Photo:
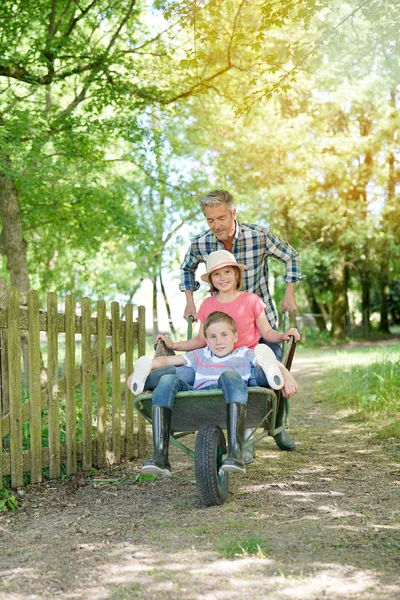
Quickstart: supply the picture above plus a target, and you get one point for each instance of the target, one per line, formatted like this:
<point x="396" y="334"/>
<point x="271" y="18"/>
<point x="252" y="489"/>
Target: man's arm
<point x="190" y="309"/>
<point x="289" y="300"/>
<point x="284" y="252"/>
<point x="188" y="283"/>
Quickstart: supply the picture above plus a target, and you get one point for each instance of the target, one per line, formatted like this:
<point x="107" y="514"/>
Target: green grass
<point x="370" y="387"/>
<point x="251" y="546"/>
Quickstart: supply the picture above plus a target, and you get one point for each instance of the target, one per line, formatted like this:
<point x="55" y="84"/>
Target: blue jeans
<point x="275" y="347"/>
<point x="183" y="372"/>
<point x="231" y="383"/>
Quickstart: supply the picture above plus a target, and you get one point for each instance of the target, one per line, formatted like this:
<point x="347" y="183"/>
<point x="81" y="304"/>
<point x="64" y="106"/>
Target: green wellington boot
<point x="236" y="419"/>
<point x="283" y="439"/>
<point x="159" y="464"/>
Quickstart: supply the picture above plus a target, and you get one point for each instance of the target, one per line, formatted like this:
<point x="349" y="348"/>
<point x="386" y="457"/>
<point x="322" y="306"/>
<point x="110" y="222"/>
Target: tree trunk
<point x="167" y="306"/>
<point x="384" y="296"/>
<point x="155" y="307"/>
<point x="14" y="247"/>
<point x="339" y="304"/>
<point x="315" y="307"/>
<point x="13" y="244"/>
<point x="365" y="301"/>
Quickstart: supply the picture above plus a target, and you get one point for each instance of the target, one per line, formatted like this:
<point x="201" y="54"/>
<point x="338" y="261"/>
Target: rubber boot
<point x="236" y="419"/>
<point x="159" y="465"/>
<point x="283" y="439"/>
<point x="249" y="452"/>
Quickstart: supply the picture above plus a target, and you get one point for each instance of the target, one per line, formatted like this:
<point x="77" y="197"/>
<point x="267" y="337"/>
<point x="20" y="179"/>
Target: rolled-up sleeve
<point x="188" y="270"/>
<point x="281" y="250"/>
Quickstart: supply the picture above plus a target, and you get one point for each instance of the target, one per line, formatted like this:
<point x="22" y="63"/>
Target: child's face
<point x="224" y="279"/>
<point x="221" y="339"/>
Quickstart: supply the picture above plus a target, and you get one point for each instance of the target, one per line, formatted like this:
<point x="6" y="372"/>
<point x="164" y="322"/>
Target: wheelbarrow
<point x="204" y="412"/>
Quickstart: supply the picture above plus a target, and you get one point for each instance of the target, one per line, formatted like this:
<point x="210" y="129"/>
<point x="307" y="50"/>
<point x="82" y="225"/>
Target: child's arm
<point x="187" y="345"/>
<point x="165" y="361"/>
<point x="270" y="335"/>
<point x="290" y="387"/>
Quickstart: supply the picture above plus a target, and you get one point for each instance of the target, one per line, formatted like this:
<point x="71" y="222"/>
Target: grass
<point x="251" y="546"/>
<point x="368" y="382"/>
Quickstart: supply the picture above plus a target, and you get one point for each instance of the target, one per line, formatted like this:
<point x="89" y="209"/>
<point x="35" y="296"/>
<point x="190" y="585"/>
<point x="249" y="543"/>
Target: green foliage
<point x="371" y="390"/>
<point x="8" y="502"/>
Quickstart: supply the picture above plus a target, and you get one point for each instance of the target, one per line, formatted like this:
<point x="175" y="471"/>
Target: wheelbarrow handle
<point x="286" y="319"/>
<point x="190" y="327"/>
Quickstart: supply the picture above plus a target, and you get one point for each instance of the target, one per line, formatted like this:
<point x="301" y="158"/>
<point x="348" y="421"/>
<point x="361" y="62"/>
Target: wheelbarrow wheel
<point x="209" y="450"/>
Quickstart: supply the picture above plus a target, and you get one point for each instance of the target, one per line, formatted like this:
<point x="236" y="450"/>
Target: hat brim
<point x="206" y="276"/>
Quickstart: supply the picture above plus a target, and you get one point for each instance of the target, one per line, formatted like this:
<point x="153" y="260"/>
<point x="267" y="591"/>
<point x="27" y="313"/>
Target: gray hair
<point x="215" y="198"/>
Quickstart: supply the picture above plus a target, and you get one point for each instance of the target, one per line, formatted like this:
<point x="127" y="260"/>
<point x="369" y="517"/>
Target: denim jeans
<point x="183" y="372"/>
<point x="275" y="347"/>
<point x="231" y="383"/>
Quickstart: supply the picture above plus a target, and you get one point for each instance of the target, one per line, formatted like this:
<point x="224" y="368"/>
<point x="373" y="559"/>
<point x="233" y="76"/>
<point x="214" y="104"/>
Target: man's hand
<point x="190" y="310"/>
<point x="289" y="301"/>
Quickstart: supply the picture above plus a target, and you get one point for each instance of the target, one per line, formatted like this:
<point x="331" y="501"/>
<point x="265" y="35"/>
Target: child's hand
<point x="291" y="332"/>
<point x="290" y="387"/>
<point x="170" y="345"/>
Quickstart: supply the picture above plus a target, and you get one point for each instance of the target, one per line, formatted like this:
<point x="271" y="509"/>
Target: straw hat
<point x="217" y="260"/>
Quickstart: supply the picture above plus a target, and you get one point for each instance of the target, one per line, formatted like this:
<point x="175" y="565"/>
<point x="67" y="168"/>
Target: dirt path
<point x="326" y="519"/>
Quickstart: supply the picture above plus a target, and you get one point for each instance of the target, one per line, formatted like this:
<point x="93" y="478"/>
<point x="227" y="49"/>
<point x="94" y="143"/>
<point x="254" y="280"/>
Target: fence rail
<point x="110" y="430"/>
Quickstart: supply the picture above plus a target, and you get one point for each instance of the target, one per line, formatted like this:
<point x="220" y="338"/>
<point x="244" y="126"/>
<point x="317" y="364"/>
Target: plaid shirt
<point x="252" y="245"/>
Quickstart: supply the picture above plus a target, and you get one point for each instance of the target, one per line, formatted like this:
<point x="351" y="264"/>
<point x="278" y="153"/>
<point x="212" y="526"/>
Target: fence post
<point x="70" y="398"/>
<point x="14" y="361"/>
<point x="129" y="407"/>
<point x="141" y="352"/>
<point x="34" y="386"/>
<point x="116" y="383"/>
<point x="86" y="385"/>
<point x="102" y="382"/>
<point x="52" y="385"/>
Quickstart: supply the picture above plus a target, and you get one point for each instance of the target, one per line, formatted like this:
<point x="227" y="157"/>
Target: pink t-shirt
<point x="245" y="309"/>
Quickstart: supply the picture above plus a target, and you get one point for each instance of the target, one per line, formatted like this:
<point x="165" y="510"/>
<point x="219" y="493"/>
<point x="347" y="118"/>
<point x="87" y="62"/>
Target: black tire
<point x="209" y="450"/>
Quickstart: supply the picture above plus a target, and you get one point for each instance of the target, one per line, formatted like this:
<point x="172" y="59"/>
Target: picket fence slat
<point x="14" y="362"/>
<point x="116" y="383"/>
<point x="86" y="385"/>
<point x="70" y="399"/>
<point x="34" y="387"/>
<point x="50" y="395"/>
<point x="141" y="352"/>
<point x="129" y="419"/>
<point x="102" y="382"/>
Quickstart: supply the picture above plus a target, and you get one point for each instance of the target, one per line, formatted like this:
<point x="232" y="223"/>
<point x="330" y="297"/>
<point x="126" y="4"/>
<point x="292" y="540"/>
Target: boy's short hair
<point x="219" y="317"/>
<point x="239" y="280"/>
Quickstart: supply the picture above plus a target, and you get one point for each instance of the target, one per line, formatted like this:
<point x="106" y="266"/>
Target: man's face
<point x="220" y="339"/>
<point x="221" y="221"/>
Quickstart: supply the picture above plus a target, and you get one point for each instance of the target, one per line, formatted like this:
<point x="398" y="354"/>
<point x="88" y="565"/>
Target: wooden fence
<point x="48" y="416"/>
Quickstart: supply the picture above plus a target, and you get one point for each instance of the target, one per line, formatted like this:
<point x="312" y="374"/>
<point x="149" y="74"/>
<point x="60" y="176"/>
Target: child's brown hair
<point x="219" y="317"/>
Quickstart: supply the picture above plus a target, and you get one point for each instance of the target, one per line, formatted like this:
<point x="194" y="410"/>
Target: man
<point x="251" y="245"/>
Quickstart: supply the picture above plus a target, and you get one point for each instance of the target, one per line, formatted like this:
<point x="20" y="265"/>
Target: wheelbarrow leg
<point x="250" y="451"/>
<point x="283" y="439"/>
<point x="236" y="419"/>
<point x="161" y="420"/>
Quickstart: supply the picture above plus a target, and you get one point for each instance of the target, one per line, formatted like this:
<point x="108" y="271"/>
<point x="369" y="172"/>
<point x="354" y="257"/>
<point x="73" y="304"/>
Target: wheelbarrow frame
<point x="205" y="412"/>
